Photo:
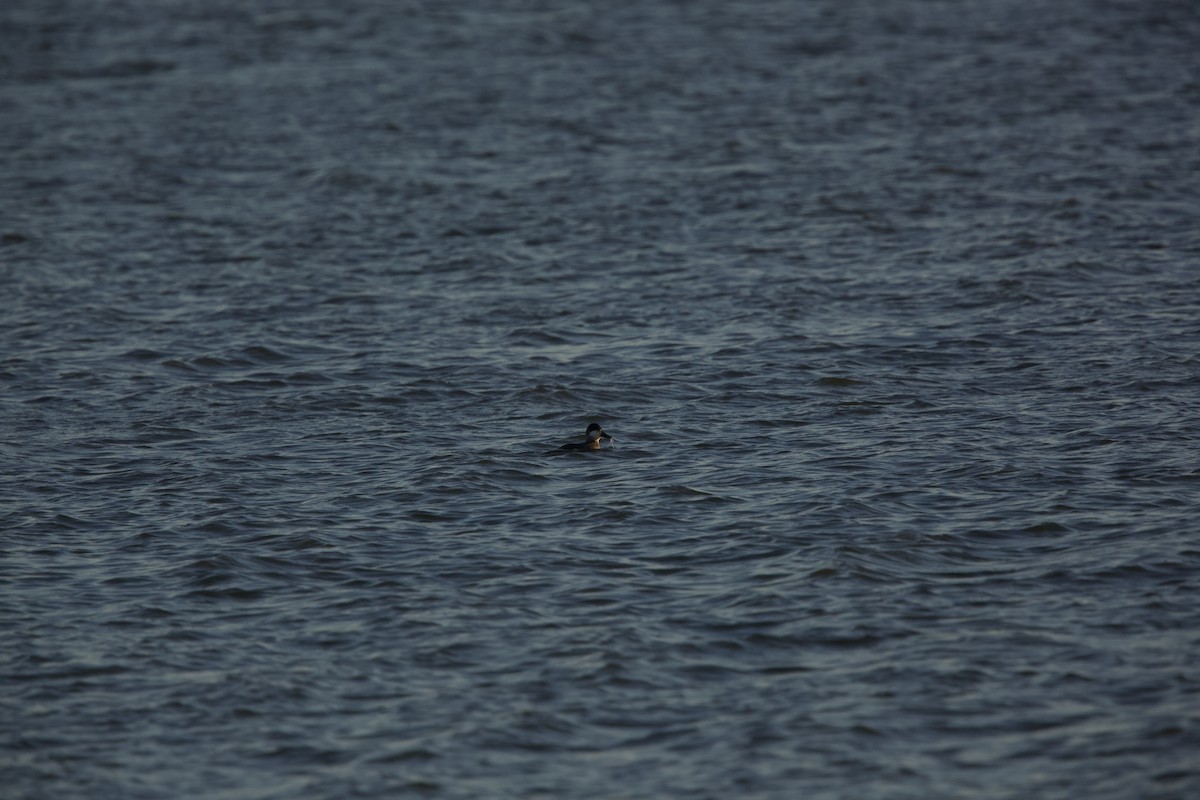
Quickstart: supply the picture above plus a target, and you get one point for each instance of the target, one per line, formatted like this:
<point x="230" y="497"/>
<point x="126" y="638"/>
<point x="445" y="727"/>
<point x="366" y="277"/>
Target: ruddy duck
<point x="595" y="436"/>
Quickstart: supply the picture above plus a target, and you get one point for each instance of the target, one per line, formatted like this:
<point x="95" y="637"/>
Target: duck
<point x="595" y="438"/>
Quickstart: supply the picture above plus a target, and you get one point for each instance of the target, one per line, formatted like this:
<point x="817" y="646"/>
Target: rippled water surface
<point x="892" y="307"/>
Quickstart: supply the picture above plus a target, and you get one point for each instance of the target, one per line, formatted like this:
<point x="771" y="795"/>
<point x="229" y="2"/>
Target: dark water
<point x="892" y="306"/>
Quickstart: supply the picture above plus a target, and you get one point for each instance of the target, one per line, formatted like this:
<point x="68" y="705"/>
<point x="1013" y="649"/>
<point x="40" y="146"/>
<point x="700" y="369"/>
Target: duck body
<point x="595" y="439"/>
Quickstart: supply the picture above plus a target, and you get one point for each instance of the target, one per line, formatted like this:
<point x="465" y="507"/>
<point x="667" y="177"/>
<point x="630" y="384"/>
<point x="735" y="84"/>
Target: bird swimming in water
<point x="595" y="437"/>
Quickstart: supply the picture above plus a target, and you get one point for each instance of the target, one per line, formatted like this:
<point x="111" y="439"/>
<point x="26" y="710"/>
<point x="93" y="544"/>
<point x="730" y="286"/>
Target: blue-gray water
<point x="892" y="306"/>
